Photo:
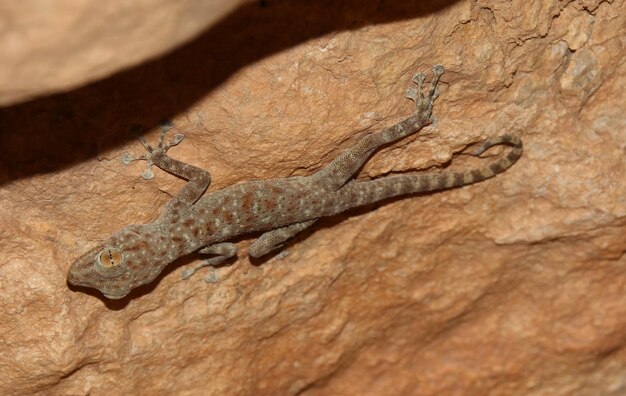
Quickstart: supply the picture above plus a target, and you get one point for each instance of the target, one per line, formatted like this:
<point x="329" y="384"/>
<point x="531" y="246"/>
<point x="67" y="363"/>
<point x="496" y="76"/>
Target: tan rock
<point x="515" y="286"/>
<point x="49" y="47"/>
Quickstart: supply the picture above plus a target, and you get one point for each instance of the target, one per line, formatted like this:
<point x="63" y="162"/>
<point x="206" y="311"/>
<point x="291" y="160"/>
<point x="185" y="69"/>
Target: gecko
<point x="277" y="208"/>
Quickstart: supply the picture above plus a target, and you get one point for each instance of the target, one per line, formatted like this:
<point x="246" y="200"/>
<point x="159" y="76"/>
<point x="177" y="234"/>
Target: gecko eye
<point x="108" y="262"/>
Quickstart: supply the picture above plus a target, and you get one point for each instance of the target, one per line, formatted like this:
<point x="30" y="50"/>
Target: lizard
<point x="279" y="208"/>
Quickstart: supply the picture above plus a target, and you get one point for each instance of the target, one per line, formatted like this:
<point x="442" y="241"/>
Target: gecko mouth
<point x="114" y="296"/>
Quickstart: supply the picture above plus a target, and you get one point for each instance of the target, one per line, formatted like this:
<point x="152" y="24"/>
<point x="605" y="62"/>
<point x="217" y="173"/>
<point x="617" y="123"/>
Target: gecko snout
<point x="100" y="268"/>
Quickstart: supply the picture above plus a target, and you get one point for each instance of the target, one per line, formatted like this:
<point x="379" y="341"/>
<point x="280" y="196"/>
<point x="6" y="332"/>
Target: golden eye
<point x="108" y="262"/>
<point x="110" y="257"/>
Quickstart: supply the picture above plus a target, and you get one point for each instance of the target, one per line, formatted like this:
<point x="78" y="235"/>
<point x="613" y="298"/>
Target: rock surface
<point x="52" y="46"/>
<point x="515" y="286"/>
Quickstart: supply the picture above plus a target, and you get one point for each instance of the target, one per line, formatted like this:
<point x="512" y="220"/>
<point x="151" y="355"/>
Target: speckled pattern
<point x="136" y="254"/>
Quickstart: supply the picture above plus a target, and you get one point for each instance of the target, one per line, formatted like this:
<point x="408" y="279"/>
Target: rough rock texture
<point x="515" y="286"/>
<point x="48" y="46"/>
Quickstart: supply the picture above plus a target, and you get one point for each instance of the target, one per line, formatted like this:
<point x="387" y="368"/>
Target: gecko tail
<point x="358" y="193"/>
<point x="440" y="181"/>
<point x="497" y="166"/>
<point x="510" y="140"/>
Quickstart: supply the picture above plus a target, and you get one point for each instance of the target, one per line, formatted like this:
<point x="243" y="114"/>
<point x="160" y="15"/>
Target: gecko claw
<point x="147" y="173"/>
<point x="128" y="158"/>
<point x="434" y="91"/>
<point x="161" y="147"/>
<point x="186" y="273"/>
<point x="173" y="142"/>
<point x="424" y="101"/>
<point x="165" y="127"/>
<point x="411" y="93"/>
<point x="419" y="79"/>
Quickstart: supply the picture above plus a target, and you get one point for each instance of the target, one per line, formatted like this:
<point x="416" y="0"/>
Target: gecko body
<point x="281" y="208"/>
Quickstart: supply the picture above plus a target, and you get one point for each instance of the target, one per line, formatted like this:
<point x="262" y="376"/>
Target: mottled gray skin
<point x="136" y="254"/>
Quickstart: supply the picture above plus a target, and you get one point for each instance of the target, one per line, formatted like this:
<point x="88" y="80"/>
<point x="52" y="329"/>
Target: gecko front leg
<point x="199" y="179"/>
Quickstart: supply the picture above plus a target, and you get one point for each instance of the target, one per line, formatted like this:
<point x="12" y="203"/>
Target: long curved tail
<point x="357" y="193"/>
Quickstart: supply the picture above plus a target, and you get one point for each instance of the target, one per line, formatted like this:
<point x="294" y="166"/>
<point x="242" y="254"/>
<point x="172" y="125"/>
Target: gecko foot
<point x="222" y="251"/>
<point x="211" y="277"/>
<point x="424" y="101"/>
<point x="211" y="262"/>
<point x="151" y="151"/>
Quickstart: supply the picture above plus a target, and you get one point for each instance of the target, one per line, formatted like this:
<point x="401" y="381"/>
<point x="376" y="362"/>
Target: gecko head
<point x="116" y="266"/>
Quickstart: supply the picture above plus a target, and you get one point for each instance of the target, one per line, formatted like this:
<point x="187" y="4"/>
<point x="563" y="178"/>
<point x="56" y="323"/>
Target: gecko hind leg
<point x="334" y="175"/>
<point x="274" y="239"/>
<point x="223" y="252"/>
